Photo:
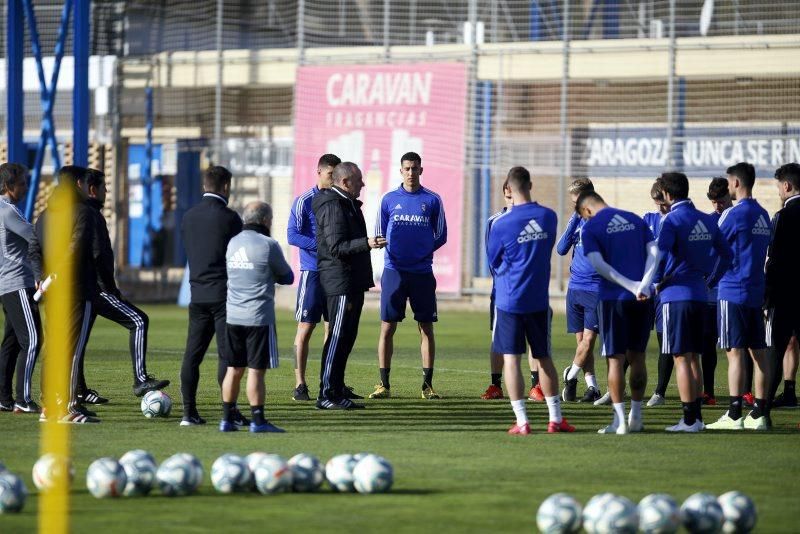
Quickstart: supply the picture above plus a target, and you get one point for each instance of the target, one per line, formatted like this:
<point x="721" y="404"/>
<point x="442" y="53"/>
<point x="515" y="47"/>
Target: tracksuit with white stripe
<point x="23" y="331"/>
<point x="345" y="271"/>
<point x="107" y="302"/>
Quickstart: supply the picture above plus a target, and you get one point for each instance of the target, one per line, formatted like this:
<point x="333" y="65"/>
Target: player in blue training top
<point x="584" y="284"/>
<point x="310" y="309"/>
<point x="519" y="250"/>
<point x="747" y="229"/>
<point x="653" y="219"/>
<point x="412" y="220"/>
<point x="495" y="389"/>
<point x="720" y="199"/>
<point x="696" y="256"/>
<point x="617" y="244"/>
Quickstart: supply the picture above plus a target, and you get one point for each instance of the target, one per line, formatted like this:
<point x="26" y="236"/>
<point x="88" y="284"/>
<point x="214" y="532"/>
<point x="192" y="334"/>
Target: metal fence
<point x="615" y="90"/>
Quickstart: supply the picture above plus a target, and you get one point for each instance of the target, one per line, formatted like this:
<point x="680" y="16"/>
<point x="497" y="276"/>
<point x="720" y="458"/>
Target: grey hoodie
<point x="15" y="234"/>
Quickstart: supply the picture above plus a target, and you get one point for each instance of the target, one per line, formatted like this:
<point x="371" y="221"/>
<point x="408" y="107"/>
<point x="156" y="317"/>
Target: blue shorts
<point x="417" y="288"/>
<point x="659" y="319"/>
<point x="684" y="326"/>
<point x="310" y="307"/>
<point x="624" y="326"/>
<point x="740" y="326"/>
<point x="582" y="311"/>
<point x="512" y="330"/>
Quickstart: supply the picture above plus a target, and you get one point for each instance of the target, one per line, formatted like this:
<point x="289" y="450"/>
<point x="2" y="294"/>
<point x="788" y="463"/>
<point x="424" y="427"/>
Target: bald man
<point x="254" y="263"/>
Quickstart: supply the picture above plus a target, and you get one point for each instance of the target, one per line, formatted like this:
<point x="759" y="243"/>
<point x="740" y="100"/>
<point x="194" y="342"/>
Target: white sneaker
<point x="683" y="427"/>
<point x="635" y="424"/>
<point x="656" y="400"/>
<point x="605" y="399"/>
<point x="622" y="429"/>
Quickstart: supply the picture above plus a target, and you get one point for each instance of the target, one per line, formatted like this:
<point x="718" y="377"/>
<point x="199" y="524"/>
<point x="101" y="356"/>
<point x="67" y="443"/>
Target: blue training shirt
<point x="519" y="249"/>
<point x="582" y="275"/>
<point x="688" y="238"/>
<point x="746" y="227"/>
<point x="653" y="220"/>
<point x="414" y="226"/>
<point x="301" y="231"/>
<point x="621" y="238"/>
<point x="489" y="223"/>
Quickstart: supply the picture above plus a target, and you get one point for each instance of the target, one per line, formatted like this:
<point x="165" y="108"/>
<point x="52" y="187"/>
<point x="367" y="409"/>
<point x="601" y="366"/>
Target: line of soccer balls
<point x="136" y="474"/>
<point x="701" y="513"/>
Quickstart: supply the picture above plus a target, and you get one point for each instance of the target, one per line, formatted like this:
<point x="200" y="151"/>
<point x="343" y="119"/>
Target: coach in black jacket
<point x="206" y="230"/>
<point x="109" y="303"/>
<point x="345" y="271"/>
<point x="782" y="299"/>
<point x="79" y="250"/>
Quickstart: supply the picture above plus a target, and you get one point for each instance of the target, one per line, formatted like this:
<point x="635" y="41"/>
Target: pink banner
<point x="372" y="115"/>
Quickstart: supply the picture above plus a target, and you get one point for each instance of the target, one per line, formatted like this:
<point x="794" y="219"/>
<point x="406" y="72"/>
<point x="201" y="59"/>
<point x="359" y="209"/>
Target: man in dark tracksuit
<point x="782" y="295"/>
<point x="345" y="272"/>
<point x="22" y="337"/>
<point x="108" y="301"/>
<point x="84" y="274"/>
<point x="206" y="230"/>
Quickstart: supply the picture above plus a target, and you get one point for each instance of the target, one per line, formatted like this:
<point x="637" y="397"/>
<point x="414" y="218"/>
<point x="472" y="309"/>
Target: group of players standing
<point x="27" y="260"/>
<point x="696" y="277"/>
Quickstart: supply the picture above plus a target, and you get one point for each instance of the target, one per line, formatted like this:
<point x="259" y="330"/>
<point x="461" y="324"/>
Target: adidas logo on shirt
<point x="398" y="207"/>
<point x="619" y="224"/>
<point x="700" y="232"/>
<point x="239" y="260"/>
<point x="531" y="232"/>
<point x="761" y="227"/>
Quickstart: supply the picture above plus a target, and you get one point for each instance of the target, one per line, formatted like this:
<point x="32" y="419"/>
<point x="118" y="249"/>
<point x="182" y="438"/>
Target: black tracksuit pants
<point x="132" y="318"/>
<point x="206" y="319"/>
<point x="783" y="322"/>
<point x="344" y="313"/>
<point x="22" y="340"/>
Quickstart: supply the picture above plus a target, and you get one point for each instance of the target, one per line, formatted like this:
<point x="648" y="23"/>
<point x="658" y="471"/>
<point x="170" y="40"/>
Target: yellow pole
<point x="57" y="361"/>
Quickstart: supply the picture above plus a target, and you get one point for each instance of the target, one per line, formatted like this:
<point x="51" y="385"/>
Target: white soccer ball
<point x="339" y="472"/>
<point x="252" y="460"/>
<point x="593" y="510"/>
<point x="702" y="514"/>
<point x="156" y="404"/>
<point x="373" y="474"/>
<point x="230" y="473"/>
<point x="180" y="474"/>
<point x="12" y="493"/>
<point x="560" y="513"/>
<point x="51" y="468"/>
<point x="273" y="475"/>
<point x="739" y="512"/>
<point x="106" y="478"/>
<point x="140" y="468"/>
<point x="308" y="473"/>
<point x="659" y="514"/>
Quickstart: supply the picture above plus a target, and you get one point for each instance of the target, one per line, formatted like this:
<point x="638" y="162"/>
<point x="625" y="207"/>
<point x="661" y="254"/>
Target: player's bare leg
<point x="495" y="390"/>
<point x="549" y="382"/>
<point x="616" y="389"/>
<point x="301" y="342"/>
<point x="583" y="360"/>
<point x="638" y="383"/>
<point x="535" y="394"/>
<point x="428" y="351"/>
<point x="230" y="393"/>
<point x="689" y="388"/>
<point x="385" y="351"/>
<point x="515" y="385"/>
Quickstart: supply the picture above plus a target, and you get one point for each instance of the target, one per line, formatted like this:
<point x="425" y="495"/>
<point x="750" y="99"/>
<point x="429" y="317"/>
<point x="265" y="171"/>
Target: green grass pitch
<point x="456" y="470"/>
